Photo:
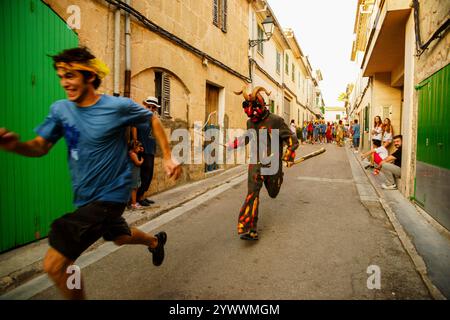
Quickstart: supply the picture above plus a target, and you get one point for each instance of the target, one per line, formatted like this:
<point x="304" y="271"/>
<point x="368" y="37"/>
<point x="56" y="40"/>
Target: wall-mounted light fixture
<point x="268" y="25"/>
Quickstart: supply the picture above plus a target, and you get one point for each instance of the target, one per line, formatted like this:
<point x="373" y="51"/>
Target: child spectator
<point x="134" y="150"/>
<point x="379" y="154"/>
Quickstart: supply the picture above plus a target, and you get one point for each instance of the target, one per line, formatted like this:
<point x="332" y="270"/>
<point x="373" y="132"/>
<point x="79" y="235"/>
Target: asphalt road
<point x="316" y="242"/>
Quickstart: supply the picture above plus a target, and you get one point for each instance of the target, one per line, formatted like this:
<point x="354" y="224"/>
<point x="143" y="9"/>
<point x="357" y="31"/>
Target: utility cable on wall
<point x="173" y="38"/>
<point x="421" y="47"/>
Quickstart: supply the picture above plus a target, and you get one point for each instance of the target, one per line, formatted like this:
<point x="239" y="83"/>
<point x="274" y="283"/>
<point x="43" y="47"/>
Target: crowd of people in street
<point x="381" y="157"/>
<point x="319" y="132"/>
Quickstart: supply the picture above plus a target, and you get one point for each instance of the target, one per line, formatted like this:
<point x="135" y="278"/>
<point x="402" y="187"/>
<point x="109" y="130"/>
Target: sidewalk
<point x="425" y="240"/>
<point x="20" y="265"/>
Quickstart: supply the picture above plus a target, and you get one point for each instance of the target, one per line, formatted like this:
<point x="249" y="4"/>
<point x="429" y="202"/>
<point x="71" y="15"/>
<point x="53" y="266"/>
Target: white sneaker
<point x="136" y="206"/>
<point x="356" y="151"/>
<point x="391" y="187"/>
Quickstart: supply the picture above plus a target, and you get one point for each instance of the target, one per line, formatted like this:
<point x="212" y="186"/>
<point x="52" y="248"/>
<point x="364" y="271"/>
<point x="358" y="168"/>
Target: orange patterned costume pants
<point x="248" y="215"/>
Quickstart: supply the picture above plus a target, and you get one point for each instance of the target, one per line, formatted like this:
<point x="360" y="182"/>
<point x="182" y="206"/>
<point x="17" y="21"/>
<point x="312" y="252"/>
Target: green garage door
<point x="433" y="146"/>
<point x="33" y="191"/>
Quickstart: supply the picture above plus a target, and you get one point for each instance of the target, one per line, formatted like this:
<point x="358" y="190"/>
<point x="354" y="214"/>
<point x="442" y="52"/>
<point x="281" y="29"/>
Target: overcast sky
<point x="324" y="30"/>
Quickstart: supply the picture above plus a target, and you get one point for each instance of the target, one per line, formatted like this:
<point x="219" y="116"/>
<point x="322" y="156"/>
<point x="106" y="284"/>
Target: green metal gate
<point x="33" y="191"/>
<point x="432" y="185"/>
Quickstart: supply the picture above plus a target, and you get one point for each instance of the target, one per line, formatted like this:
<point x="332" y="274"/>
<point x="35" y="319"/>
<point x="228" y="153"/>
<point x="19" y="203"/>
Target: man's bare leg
<point x="137" y="237"/>
<point x="155" y="245"/>
<point x="55" y="265"/>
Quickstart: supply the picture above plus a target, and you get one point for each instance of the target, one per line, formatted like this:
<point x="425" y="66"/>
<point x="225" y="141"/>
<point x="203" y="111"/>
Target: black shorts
<point x="74" y="232"/>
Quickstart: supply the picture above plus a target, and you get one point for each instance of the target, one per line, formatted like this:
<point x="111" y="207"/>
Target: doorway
<point x="211" y="122"/>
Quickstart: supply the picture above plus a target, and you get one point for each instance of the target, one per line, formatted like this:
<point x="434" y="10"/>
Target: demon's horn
<point x="244" y="93"/>
<point x="258" y="90"/>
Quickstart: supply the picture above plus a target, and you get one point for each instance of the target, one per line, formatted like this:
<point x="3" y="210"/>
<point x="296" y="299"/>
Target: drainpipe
<point x="127" y="54"/>
<point x="116" y="52"/>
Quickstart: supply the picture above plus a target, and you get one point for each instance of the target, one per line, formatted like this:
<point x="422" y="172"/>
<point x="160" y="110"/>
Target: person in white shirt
<point x="377" y="135"/>
<point x="377" y="131"/>
<point x="293" y="127"/>
<point x="388" y="133"/>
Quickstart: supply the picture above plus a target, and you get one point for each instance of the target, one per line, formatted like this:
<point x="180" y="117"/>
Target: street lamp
<point x="268" y="25"/>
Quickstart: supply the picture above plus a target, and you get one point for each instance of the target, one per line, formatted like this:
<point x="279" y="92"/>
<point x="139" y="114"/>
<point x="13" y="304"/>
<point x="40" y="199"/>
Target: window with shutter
<point x="224" y="13"/>
<point x="286" y="66"/>
<point x="216" y="12"/>
<point x="260" y="46"/>
<point x="165" y="103"/>
<point x="293" y="73"/>
<point x="278" y="62"/>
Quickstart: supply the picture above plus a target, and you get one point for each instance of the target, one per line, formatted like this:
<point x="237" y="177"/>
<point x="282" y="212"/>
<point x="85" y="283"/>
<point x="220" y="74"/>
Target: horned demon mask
<point x="254" y="105"/>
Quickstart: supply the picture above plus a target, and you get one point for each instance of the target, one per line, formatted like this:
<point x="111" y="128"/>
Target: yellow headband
<point x="94" y="65"/>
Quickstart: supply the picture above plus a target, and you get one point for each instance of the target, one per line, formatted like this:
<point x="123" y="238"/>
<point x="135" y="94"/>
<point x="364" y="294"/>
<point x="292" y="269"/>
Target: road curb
<point x="417" y="260"/>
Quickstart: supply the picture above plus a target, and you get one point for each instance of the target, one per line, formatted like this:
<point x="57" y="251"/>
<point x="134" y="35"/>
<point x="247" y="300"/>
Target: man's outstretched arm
<point x="172" y="168"/>
<point x="36" y="147"/>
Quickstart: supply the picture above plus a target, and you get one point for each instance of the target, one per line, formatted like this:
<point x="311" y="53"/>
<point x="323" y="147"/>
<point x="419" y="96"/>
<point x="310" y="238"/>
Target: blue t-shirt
<point x="316" y="129"/>
<point x="144" y="135"/>
<point x="97" y="150"/>
<point x="356" y="130"/>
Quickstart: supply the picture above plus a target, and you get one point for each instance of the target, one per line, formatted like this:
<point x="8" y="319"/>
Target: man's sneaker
<point x="158" y="251"/>
<point x="391" y="187"/>
<point x="150" y="201"/>
<point x="144" y="203"/>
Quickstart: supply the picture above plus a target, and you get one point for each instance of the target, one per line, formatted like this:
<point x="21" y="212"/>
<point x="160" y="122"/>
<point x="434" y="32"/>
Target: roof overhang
<point x="386" y="49"/>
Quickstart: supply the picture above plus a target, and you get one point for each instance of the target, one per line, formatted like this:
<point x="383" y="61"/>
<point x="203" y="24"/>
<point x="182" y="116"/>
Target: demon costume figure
<point x="261" y="118"/>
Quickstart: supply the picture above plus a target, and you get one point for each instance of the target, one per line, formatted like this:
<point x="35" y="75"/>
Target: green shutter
<point x="433" y="130"/>
<point x="33" y="191"/>
<point x="432" y="180"/>
<point x="272" y="106"/>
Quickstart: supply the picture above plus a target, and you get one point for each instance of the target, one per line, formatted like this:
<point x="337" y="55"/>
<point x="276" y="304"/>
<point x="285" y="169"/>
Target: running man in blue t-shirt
<point x="94" y="127"/>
